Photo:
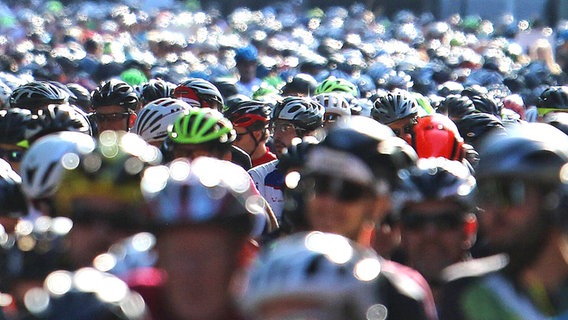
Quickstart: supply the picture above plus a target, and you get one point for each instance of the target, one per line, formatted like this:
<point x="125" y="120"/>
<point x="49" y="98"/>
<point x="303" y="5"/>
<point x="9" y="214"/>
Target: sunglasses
<point x="281" y="127"/>
<point x="103" y="117"/>
<point x="341" y="189"/>
<point x="12" y="155"/>
<point x="443" y="221"/>
<point x="501" y="193"/>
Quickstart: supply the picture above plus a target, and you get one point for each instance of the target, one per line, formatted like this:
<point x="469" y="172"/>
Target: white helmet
<point x="322" y="267"/>
<point x="43" y="164"/>
<point x="155" y="117"/>
<point x="334" y="102"/>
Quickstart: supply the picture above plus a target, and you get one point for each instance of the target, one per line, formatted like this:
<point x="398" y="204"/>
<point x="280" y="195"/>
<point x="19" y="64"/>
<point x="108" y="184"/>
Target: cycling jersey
<point x="269" y="181"/>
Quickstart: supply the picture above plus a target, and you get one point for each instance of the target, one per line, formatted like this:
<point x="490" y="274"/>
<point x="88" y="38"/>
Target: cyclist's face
<point x="434" y="236"/>
<point x="402" y="128"/>
<point x="199" y="263"/>
<point x="344" y="210"/>
<point x="112" y="118"/>
<point x="283" y="134"/>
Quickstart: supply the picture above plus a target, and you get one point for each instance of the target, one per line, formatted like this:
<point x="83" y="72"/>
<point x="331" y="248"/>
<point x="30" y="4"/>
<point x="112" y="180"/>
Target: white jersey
<point x="269" y="181"/>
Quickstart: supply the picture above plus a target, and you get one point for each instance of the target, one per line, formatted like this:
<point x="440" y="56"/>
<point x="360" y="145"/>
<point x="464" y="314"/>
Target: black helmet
<point x="457" y="106"/>
<point x="156" y="89"/>
<point x="435" y="179"/>
<point x="82" y="96"/>
<point x="305" y="113"/>
<point x="37" y="94"/>
<point x="553" y="98"/>
<point x="474" y="127"/>
<point x="58" y="117"/>
<point x="13" y="125"/>
<point x="394" y="106"/>
<point x="115" y="92"/>
<point x="300" y="83"/>
<point x="357" y="147"/>
<point x="531" y="151"/>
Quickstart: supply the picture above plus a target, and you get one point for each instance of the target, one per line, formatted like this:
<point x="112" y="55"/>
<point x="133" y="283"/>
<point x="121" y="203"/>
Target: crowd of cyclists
<point x="285" y="163"/>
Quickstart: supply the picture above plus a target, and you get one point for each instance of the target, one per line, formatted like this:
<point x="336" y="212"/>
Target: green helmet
<point x="333" y="84"/>
<point x="197" y="126"/>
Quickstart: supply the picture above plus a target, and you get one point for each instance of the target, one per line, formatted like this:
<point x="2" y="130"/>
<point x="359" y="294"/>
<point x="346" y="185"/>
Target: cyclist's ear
<point x="247" y="253"/>
<point x="470" y="229"/>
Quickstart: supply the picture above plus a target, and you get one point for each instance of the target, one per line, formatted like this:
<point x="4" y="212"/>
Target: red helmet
<point x="437" y="136"/>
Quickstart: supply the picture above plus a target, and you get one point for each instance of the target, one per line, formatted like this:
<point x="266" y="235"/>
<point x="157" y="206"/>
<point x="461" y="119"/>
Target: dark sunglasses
<point x="341" y="189"/>
<point x="87" y="216"/>
<point x="12" y="155"/>
<point x="443" y="221"/>
<point x="102" y="117"/>
<point x="501" y="193"/>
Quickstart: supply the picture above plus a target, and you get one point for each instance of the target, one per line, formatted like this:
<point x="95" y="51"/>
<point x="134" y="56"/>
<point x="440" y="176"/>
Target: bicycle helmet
<point x="13" y="126"/>
<point x="450" y="88"/>
<point x="334" y="103"/>
<point x="302" y="83"/>
<point x="55" y="118"/>
<point x="370" y="149"/>
<point x="435" y="179"/>
<point x="476" y="126"/>
<point x="305" y="113"/>
<point x="111" y="169"/>
<point x="457" y="106"/>
<point x="12" y="201"/>
<point x="437" y="136"/>
<point x="553" y="99"/>
<point x="531" y="151"/>
<point x="394" y="106"/>
<point x="326" y="268"/>
<point x="333" y="84"/>
<point x="219" y="193"/>
<point x="199" y="93"/>
<point x="485" y="104"/>
<point x="115" y="92"/>
<point x="248" y="114"/>
<point x="155" y="89"/>
<point x="197" y="126"/>
<point x="155" y="117"/>
<point x="37" y="94"/>
<point x="42" y="165"/>
<point x="82" y="96"/>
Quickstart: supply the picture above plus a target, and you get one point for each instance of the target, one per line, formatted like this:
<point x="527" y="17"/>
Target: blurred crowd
<point x="165" y="161"/>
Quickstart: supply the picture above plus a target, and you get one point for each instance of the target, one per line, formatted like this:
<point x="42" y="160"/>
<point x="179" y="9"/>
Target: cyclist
<point x="114" y="103"/>
<point x="37" y="95"/>
<point x="203" y="229"/>
<point x="434" y="204"/>
<point x="336" y="107"/>
<point x="250" y="119"/>
<point x="99" y="191"/>
<point x="347" y="185"/>
<point x="398" y="110"/>
<point x="199" y="93"/>
<point x="304" y="276"/>
<point x="518" y="176"/>
<point x="293" y="117"/>
<point x="155" y="117"/>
